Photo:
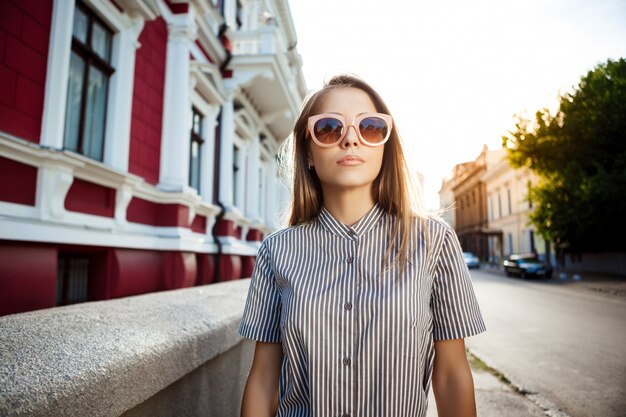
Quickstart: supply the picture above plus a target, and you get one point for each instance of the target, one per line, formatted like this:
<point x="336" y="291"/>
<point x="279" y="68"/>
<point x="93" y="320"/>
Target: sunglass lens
<point x="373" y="129"/>
<point x="328" y="130"/>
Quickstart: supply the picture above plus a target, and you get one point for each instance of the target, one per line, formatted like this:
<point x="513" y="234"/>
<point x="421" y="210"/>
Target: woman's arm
<point x="453" y="385"/>
<point x="260" y="397"/>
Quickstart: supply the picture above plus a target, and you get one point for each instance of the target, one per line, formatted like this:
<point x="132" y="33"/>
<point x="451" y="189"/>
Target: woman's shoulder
<point x="284" y="234"/>
<point x="432" y="223"/>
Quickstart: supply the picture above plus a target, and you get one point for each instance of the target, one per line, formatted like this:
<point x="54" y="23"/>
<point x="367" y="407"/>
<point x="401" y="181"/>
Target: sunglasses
<point x="373" y="129"/>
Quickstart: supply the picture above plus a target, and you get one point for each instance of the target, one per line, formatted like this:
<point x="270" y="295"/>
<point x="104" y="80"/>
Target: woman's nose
<point x="351" y="138"/>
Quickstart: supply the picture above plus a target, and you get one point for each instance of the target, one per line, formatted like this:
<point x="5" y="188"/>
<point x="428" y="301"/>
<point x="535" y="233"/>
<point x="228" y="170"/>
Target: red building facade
<point x="138" y="143"/>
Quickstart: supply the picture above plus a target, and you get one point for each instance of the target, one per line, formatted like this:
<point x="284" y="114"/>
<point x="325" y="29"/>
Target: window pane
<point x="74" y="95"/>
<point x="235" y="174"/>
<point x="95" y="114"/>
<point x="101" y="41"/>
<point x="197" y="123"/>
<point x="194" y="177"/>
<point x="80" y="25"/>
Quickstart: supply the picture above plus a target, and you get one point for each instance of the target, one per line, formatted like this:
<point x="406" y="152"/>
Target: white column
<point x="227" y="132"/>
<point x="207" y="159"/>
<point x="175" y="139"/>
<point x="230" y="13"/>
<point x="253" y="179"/>
<point x="57" y="73"/>
<point x="119" y="111"/>
<point x="272" y="194"/>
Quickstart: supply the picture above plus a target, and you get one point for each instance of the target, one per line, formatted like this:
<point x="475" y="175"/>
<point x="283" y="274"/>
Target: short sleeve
<point x="261" y="316"/>
<point x="456" y="314"/>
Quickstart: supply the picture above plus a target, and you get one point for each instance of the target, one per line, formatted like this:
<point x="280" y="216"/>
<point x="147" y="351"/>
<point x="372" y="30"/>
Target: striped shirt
<point x="358" y="340"/>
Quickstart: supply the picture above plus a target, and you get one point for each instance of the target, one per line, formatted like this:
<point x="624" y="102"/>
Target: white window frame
<point x="239" y="180"/>
<point x="126" y="31"/>
<point x="209" y="112"/>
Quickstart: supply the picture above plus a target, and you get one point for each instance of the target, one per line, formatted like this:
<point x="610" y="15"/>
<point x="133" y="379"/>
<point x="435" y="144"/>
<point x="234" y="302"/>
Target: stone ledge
<point x="103" y="358"/>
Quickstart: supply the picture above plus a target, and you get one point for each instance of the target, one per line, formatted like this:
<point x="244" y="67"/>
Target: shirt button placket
<point x="348" y="306"/>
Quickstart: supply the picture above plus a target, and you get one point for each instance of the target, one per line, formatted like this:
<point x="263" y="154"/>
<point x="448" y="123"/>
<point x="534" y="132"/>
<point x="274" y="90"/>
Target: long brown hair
<point x="392" y="189"/>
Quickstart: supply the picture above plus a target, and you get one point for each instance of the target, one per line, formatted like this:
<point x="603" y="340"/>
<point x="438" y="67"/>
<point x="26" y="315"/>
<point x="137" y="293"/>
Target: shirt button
<point x="348" y="306"/>
<point x="349" y="259"/>
<point x="346" y="361"/>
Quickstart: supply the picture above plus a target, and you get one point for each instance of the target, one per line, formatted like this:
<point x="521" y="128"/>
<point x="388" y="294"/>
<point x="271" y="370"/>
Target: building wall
<point x="147" y="110"/>
<point x="133" y="221"/>
<point x="24" y="38"/>
<point x="446" y="201"/>
<point x="509" y="210"/>
<point x="465" y="187"/>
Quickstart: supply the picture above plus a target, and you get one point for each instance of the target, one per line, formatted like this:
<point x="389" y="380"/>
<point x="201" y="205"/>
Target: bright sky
<point x="454" y="72"/>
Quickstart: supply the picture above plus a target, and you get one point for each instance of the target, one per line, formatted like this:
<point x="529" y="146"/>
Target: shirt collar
<point x="357" y="230"/>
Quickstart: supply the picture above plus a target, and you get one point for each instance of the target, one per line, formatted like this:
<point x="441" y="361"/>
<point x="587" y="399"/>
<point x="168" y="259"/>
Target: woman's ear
<point x="310" y="161"/>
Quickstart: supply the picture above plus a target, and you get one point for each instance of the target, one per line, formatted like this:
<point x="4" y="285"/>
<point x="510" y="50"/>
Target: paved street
<point x="565" y="344"/>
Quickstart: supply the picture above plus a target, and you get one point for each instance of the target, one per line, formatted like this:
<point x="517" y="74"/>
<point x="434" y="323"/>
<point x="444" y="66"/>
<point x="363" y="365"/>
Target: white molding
<point x="256" y="119"/>
<point x="57" y="73"/>
<point x="232" y="246"/>
<point x="53" y="183"/>
<point x="175" y="137"/>
<point x="20" y="229"/>
<point x="18" y="210"/>
<point x="56" y="173"/>
<point x="119" y="106"/>
<point x="146" y="9"/>
<point x="209" y="81"/>
<point x="110" y="14"/>
<point x="244" y="130"/>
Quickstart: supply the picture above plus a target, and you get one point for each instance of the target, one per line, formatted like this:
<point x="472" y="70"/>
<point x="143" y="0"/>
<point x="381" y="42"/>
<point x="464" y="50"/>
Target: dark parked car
<point x="526" y="265"/>
<point x="471" y="260"/>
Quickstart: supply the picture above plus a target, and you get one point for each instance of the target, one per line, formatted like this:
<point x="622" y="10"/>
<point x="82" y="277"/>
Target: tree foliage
<point x="579" y="154"/>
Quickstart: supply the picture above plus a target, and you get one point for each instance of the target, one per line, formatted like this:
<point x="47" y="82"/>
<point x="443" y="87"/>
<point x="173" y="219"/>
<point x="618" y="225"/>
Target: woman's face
<point x="350" y="164"/>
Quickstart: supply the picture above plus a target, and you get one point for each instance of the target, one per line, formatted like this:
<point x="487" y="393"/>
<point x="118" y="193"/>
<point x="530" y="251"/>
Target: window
<point x="508" y="197"/>
<point x="87" y="90"/>
<point x="531" y="236"/>
<point x="236" y="174"/>
<point x="490" y="207"/>
<point x="72" y="279"/>
<point x="530" y="201"/>
<point x="499" y="205"/>
<point x="510" y="242"/>
<point x="196" y="145"/>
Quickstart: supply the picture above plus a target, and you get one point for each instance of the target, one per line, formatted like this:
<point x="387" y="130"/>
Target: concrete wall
<point x="160" y="354"/>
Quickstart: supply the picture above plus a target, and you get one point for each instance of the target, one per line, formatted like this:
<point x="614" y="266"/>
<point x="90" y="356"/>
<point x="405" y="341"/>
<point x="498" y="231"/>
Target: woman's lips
<point x="350" y="160"/>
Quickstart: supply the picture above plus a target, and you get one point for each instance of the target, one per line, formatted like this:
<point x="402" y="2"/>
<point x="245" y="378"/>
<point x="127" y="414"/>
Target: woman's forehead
<point x="346" y="100"/>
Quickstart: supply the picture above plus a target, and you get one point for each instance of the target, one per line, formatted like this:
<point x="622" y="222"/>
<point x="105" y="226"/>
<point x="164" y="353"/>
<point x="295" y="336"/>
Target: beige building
<point x="508" y="209"/>
<point x="463" y="194"/>
<point x="446" y="199"/>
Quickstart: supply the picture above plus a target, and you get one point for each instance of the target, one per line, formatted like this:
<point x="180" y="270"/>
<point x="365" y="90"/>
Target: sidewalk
<point x="494" y="397"/>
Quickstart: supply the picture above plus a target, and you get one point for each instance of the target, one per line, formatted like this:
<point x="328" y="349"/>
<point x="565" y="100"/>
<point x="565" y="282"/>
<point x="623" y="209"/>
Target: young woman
<point x="362" y="299"/>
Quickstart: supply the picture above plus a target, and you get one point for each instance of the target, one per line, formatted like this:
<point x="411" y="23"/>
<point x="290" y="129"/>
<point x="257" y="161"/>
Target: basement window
<point x="72" y="279"/>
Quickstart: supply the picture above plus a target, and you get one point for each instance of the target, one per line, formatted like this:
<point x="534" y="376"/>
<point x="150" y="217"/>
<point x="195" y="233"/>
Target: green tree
<point x="579" y="154"/>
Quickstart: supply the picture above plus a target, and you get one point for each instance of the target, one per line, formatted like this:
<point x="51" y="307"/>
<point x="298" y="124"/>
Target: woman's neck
<point x="348" y="206"/>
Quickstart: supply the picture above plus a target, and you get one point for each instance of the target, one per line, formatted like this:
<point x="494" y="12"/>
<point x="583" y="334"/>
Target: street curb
<point x="548" y="407"/>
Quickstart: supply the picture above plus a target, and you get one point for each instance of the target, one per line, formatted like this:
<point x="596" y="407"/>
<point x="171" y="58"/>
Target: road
<point x="565" y="344"/>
